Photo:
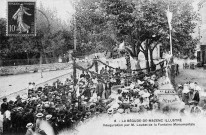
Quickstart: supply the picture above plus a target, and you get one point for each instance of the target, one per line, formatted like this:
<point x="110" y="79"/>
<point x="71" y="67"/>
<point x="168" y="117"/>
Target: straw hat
<point x="19" y="109"/>
<point x="39" y="115"/>
<point x="141" y="92"/>
<point x="145" y="95"/>
<point x="58" y="98"/>
<point x="38" y="106"/>
<point x="186" y="89"/>
<point x="48" y="117"/>
<point x="120" y="110"/>
<point x="47" y="105"/>
<point x="29" y="125"/>
<point x="135" y="109"/>
<point x="110" y="111"/>
<point x="88" y="114"/>
<point x="198" y="88"/>
<point x="192" y="86"/>
<point x="180" y="86"/>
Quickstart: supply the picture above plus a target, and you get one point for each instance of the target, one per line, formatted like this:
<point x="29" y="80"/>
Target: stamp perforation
<point x="33" y="20"/>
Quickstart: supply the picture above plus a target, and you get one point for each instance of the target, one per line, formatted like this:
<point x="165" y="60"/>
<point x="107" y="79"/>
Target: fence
<point x="17" y="62"/>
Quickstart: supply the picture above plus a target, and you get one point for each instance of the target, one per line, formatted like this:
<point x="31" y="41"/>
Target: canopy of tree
<point x="103" y="24"/>
<point x="53" y="39"/>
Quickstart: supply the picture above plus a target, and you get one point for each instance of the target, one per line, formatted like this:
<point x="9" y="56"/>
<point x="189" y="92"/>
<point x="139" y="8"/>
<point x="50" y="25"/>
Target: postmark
<point x="21" y="18"/>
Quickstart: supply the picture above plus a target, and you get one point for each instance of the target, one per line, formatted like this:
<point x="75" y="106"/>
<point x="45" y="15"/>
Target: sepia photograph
<point x="102" y="67"/>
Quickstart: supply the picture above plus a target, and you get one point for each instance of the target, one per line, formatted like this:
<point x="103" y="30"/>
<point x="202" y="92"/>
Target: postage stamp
<point x="21" y="18"/>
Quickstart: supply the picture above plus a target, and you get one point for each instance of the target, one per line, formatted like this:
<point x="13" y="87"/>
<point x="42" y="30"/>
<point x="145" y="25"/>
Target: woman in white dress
<point x="22" y="26"/>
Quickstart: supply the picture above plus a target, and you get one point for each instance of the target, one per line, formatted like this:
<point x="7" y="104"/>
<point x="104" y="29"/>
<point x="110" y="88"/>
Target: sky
<point x="63" y="7"/>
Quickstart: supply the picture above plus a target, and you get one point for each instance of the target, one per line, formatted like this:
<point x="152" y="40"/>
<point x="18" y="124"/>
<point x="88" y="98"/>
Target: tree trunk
<point x="152" y="65"/>
<point x="137" y="65"/>
<point x="40" y="59"/>
<point x="128" y="62"/>
<point x="74" y="72"/>
<point x="147" y="61"/>
<point x="136" y="51"/>
<point x="147" y="56"/>
<point x="46" y="59"/>
<point x="27" y="55"/>
<point x="40" y="63"/>
<point x="1" y="61"/>
<point x="54" y="56"/>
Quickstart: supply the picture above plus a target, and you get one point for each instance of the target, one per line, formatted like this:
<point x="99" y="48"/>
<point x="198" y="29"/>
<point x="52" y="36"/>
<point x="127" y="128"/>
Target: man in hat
<point x="29" y="127"/>
<point x="4" y="105"/>
<point x="7" y="121"/>
<point x="99" y="88"/>
<point x="185" y="94"/>
<point x="87" y="93"/>
<point x="48" y="117"/>
<point x="49" y="120"/>
<point x="87" y="76"/>
<point x="18" y="101"/>
<point x="196" y="97"/>
<point x="107" y="89"/>
<point x="82" y="75"/>
<point x="30" y="87"/>
<point x="102" y="71"/>
<point x="34" y="86"/>
<point x="39" y="120"/>
<point x="67" y="82"/>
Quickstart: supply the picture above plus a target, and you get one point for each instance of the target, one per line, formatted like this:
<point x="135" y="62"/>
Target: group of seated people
<point x="189" y="93"/>
<point x="64" y="105"/>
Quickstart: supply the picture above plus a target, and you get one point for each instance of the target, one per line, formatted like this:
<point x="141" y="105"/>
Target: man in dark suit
<point x="99" y="88"/>
<point x="4" y="106"/>
<point x="196" y="97"/>
<point x="82" y="75"/>
<point x="87" y="76"/>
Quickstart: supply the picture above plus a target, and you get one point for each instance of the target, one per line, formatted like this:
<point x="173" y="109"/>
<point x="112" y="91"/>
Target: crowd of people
<point x="189" y="93"/>
<point x="64" y="105"/>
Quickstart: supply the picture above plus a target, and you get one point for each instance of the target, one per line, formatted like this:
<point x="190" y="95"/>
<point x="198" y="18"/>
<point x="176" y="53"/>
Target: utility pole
<point x="75" y="33"/>
<point x="41" y="43"/>
<point x="75" y="29"/>
<point x="75" y="46"/>
<point x="171" y="42"/>
<point x="169" y="18"/>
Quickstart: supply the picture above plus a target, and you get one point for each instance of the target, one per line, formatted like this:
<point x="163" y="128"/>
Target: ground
<point x="198" y="75"/>
<point x="11" y="84"/>
<point x="16" y="83"/>
<point x="191" y="75"/>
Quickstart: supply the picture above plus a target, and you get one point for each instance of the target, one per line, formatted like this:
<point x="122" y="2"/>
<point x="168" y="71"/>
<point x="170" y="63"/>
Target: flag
<point x="169" y="18"/>
<point x="121" y="46"/>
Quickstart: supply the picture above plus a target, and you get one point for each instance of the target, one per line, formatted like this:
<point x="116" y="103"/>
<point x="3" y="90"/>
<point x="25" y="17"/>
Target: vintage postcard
<point x="21" y="18"/>
<point x="102" y="67"/>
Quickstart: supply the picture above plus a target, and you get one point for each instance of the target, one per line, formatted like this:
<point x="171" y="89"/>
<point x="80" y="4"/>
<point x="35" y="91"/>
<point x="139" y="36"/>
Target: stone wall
<point x="13" y="70"/>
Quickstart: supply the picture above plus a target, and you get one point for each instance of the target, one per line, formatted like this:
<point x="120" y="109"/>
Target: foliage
<point x="102" y="24"/>
<point x="94" y="30"/>
<point x="52" y="40"/>
<point x="142" y="24"/>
